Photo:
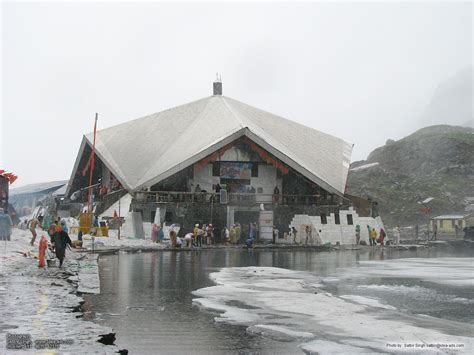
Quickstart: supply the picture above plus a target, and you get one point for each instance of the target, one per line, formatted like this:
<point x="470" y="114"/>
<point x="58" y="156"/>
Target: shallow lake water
<point x="147" y="297"/>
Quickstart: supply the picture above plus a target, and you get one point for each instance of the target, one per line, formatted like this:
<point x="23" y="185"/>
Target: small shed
<point x="452" y="223"/>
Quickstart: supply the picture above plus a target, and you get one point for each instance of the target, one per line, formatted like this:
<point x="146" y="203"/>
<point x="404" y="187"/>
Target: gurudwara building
<point x="221" y="161"/>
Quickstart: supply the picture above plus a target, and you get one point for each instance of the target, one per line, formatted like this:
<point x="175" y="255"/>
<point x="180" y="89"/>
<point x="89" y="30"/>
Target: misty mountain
<point x="452" y="102"/>
<point x="436" y="161"/>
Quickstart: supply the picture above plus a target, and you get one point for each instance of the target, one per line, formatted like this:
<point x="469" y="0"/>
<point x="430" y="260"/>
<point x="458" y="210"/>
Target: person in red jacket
<point x="43" y="245"/>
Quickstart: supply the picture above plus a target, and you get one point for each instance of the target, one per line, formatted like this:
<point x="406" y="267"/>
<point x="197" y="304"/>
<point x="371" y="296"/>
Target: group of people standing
<point x="378" y="238"/>
<point x="200" y="234"/>
<point x="233" y="234"/>
<point x="205" y="234"/>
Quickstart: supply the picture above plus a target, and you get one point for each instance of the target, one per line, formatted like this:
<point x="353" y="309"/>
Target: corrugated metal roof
<point x="145" y="151"/>
<point x="37" y="188"/>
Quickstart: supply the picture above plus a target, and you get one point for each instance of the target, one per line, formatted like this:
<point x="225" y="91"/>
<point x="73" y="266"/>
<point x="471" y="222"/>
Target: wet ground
<point x="147" y="297"/>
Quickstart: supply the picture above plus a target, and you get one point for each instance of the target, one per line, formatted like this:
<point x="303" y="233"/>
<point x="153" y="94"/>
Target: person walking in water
<point x="357" y="234"/>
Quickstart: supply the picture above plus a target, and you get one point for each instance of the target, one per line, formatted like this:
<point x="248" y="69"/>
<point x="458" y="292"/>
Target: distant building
<point x="25" y="198"/>
<point x="453" y="223"/>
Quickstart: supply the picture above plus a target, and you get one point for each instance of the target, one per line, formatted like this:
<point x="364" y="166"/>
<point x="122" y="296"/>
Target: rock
<point x="107" y="339"/>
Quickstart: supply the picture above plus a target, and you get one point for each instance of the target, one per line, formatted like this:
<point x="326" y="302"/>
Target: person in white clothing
<point x="396" y="234"/>
<point x="188" y="239"/>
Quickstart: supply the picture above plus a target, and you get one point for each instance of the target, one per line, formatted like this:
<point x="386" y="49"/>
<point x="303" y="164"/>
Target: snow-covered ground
<point x="40" y="302"/>
<point x="112" y="242"/>
<point x="284" y="304"/>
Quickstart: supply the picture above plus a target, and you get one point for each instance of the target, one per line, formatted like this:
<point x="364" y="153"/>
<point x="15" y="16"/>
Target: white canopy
<point x="145" y="151"/>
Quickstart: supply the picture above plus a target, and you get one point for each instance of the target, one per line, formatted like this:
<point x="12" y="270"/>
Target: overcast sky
<point x="361" y="71"/>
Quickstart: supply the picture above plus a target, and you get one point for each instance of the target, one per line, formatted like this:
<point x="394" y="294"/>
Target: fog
<point x="364" y="72"/>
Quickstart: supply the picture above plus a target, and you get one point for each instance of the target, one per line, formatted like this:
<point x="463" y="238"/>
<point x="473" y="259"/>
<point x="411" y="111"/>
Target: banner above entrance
<point x="235" y="170"/>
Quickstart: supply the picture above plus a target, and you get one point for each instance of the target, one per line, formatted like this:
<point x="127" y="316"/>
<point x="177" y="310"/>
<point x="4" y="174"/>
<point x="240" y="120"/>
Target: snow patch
<point x="372" y="302"/>
<point x="278" y="332"/>
<point x="284" y="304"/>
<point x="446" y="271"/>
<point x="364" y="167"/>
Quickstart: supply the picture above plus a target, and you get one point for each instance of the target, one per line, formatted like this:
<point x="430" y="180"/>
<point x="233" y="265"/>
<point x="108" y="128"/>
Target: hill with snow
<point x="436" y="161"/>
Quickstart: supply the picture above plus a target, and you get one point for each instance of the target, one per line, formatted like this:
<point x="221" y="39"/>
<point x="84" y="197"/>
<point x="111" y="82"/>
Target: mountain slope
<point x="436" y="161"/>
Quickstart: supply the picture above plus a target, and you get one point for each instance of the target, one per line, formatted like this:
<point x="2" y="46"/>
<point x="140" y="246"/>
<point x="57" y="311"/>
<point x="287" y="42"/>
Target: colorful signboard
<point x="234" y="170"/>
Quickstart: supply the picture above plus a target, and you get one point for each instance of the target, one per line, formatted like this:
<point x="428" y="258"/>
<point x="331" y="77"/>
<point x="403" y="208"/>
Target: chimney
<point x="217" y="85"/>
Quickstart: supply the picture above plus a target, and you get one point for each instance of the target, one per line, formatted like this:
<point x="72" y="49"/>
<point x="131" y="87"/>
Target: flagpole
<point x="92" y="169"/>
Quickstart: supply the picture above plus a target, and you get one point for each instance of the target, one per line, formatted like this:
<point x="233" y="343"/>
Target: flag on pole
<point x="91" y="161"/>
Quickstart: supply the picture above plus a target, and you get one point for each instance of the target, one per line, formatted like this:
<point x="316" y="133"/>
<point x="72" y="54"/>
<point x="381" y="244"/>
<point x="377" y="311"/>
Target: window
<point x="324" y="219"/>
<point x="441" y="223"/>
<point x="337" y="218"/>
<point x="349" y="220"/>
<point x="216" y="169"/>
<point x="254" y="169"/>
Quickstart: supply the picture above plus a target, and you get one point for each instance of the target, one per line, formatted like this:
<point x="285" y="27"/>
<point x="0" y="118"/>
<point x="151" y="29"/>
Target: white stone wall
<point x="331" y="232"/>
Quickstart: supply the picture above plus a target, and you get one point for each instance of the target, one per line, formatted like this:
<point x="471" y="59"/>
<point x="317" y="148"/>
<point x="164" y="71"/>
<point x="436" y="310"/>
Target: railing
<point x="232" y="198"/>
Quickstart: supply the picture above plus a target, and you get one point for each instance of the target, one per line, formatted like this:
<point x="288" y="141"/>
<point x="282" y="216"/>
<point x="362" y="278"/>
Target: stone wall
<point x="330" y="232"/>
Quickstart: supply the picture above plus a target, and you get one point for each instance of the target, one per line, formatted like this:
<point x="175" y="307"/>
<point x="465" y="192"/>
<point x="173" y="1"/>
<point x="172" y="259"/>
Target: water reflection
<point x="147" y="297"/>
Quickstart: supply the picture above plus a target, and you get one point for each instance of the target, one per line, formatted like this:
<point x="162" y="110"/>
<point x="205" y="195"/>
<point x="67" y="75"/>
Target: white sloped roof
<point x="453" y="216"/>
<point x="147" y="150"/>
<point x="37" y="188"/>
